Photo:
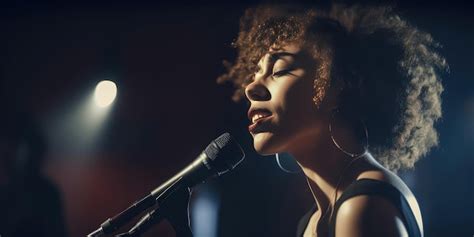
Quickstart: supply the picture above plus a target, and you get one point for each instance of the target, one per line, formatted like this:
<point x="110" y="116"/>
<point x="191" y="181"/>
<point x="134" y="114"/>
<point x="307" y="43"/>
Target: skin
<point x="284" y="85"/>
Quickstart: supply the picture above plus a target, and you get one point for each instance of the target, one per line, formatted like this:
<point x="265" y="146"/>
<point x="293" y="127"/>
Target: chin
<point x="264" y="143"/>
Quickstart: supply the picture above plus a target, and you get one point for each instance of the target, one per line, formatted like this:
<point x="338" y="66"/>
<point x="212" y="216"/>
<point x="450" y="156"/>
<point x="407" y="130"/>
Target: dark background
<point x="165" y="59"/>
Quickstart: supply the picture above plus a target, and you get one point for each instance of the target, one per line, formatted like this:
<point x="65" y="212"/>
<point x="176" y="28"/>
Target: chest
<point x="316" y="226"/>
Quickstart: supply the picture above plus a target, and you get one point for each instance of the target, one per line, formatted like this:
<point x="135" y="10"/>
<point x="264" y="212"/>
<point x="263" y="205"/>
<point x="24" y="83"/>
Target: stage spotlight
<point x="105" y="93"/>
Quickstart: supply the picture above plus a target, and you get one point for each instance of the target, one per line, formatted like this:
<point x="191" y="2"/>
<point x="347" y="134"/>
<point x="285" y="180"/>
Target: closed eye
<point x="282" y="72"/>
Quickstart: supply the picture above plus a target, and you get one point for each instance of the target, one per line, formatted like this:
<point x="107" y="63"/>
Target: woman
<point x="352" y="93"/>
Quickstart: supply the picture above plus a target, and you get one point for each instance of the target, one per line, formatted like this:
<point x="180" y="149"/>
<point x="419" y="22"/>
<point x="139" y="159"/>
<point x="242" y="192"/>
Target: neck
<point x="328" y="171"/>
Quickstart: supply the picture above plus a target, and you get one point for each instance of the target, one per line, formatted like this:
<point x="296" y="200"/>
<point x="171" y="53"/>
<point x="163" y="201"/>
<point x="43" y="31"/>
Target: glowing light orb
<point x="105" y="93"/>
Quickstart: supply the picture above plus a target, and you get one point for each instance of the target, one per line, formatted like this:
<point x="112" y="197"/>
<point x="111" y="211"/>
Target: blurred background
<point x="82" y="157"/>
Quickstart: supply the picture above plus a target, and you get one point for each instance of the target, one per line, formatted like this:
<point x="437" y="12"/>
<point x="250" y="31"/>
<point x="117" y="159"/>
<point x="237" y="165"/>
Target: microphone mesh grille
<point x="223" y="139"/>
<point x="224" y="153"/>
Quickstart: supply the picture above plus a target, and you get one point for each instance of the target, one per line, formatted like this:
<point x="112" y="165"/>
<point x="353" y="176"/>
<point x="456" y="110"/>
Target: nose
<point x="257" y="90"/>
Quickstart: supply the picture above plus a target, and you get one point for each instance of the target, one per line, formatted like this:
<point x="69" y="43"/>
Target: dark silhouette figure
<point x="30" y="204"/>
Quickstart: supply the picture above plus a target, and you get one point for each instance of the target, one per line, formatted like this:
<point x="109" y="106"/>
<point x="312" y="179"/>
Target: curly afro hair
<point x="390" y="68"/>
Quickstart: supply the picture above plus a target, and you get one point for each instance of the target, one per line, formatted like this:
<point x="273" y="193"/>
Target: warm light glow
<point x="105" y="93"/>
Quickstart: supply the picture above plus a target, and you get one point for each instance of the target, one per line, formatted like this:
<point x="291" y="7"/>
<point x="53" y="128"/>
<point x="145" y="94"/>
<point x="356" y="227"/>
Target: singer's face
<point x="283" y="88"/>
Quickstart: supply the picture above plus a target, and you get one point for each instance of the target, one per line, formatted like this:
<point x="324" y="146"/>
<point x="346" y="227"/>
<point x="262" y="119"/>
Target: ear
<point x="332" y="99"/>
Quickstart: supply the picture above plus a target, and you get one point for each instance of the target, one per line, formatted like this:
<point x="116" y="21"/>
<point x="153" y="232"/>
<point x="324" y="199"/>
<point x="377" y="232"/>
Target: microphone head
<point x="224" y="154"/>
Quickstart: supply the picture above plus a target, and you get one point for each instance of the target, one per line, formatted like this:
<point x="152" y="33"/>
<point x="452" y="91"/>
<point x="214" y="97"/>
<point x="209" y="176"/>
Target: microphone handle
<point x="196" y="172"/>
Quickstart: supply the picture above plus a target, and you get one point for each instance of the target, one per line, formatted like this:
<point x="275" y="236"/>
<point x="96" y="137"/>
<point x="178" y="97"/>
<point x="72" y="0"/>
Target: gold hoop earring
<point x="337" y="144"/>
<point x="287" y="163"/>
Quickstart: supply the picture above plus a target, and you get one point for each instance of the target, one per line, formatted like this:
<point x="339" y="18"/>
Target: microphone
<point x="220" y="156"/>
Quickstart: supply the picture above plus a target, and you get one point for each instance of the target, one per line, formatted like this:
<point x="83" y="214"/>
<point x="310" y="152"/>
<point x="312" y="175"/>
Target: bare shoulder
<point x="391" y="178"/>
<point x="369" y="216"/>
<point x="373" y="215"/>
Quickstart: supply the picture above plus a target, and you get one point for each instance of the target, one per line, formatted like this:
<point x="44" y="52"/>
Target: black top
<point x="369" y="187"/>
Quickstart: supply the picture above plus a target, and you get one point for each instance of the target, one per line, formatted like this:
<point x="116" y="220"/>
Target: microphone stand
<point x="143" y="224"/>
<point x="208" y="164"/>
<point x="176" y="211"/>
<point x="116" y="222"/>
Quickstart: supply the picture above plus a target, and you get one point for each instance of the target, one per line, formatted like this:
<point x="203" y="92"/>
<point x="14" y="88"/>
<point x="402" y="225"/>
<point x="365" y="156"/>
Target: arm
<point x="367" y="216"/>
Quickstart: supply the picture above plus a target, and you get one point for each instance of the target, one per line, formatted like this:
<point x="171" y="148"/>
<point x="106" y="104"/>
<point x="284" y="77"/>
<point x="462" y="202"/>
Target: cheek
<point x="296" y="113"/>
<point x="297" y="103"/>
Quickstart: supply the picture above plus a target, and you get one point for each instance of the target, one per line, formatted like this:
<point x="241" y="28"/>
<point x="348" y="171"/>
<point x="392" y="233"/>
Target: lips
<point x="259" y="112"/>
<point x="260" y="125"/>
<point x="259" y="118"/>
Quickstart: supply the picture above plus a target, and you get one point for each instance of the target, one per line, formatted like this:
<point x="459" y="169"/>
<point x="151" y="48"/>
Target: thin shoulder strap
<point x="379" y="188"/>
